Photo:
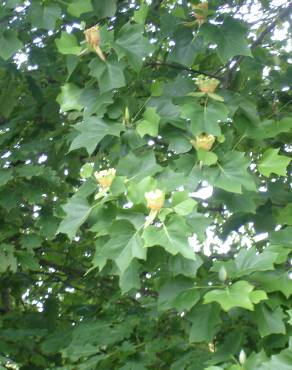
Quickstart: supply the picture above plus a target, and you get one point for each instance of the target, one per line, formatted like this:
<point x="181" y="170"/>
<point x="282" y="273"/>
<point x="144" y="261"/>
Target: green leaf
<point x="5" y="176"/>
<point x="268" y="128"/>
<point x="236" y="295"/>
<point x="86" y="170"/>
<point x="136" y="168"/>
<point x="9" y="44"/>
<point x="179" y="142"/>
<point x="255" y="360"/>
<point x="231" y="173"/>
<point x="105" y="9"/>
<point x="268" y="321"/>
<point x="284" y="215"/>
<point x="150" y="124"/>
<point x="77" y="210"/>
<point x="248" y="261"/>
<point x="44" y="16"/>
<point x="92" y="131"/>
<point x="110" y="75"/>
<point x="130" y="278"/>
<point x="7" y="258"/>
<point x="230" y="38"/>
<point x="95" y="103"/>
<point x="124" y="245"/>
<point x="205" y="323"/>
<point x="78" y="7"/>
<point x="182" y="204"/>
<point x="289" y="312"/>
<point x="281" y="361"/>
<point x="133" y="45"/>
<point x="177" y="293"/>
<point x="140" y="15"/>
<point x="282" y="237"/>
<point x="69" y="97"/>
<point x="186" y="48"/>
<point x="67" y="44"/>
<point x="206" y="157"/>
<point x="216" y="97"/>
<point x="179" y="265"/>
<point x="136" y="191"/>
<point x="238" y="202"/>
<point x="205" y="118"/>
<point x="172" y="236"/>
<point x="273" y="281"/>
<point x="272" y="162"/>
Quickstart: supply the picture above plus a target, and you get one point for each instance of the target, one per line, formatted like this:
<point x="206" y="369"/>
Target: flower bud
<point x="105" y="177"/>
<point x="126" y="119"/>
<point x="155" y="199"/>
<point x="92" y="36"/>
<point x="242" y="357"/>
<point x="222" y="274"/>
<point x="206" y="84"/>
<point x="203" y="141"/>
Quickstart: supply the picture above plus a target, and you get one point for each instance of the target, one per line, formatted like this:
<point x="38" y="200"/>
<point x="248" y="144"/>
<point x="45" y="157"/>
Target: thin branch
<point x="282" y="14"/>
<point x="181" y="68"/>
<point x="65" y="269"/>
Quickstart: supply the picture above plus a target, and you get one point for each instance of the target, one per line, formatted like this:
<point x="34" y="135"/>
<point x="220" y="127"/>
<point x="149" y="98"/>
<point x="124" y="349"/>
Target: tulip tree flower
<point x="155" y="201"/>
<point x="200" y="12"/>
<point x="92" y="36"/>
<point x="105" y="177"/>
<point x="206" y="84"/>
<point x="203" y="141"/>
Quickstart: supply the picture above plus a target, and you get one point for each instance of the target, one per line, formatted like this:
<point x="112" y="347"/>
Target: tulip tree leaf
<point x="9" y="44"/>
<point x="92" y="131"/>
<point x="205" y="323"/>
<point x="67" y="44"/>
<point x="237" y="295"/>
<point x="78" y="7"/>
<point x="125" y="245"/>
<point x="150" y="124"/>
<point x="69" y="97"/>
<point x="172" y="236"/>
<point x="231" y="173"/>
<point x="268" y="321"/>
<point x="132" y="44"/>
<point x="272" y="162"/>
<point x="77" y="210"/>
<point x="178" y="293"/>
<point x="248" y="260"/>
<point x="110" y="74"/>
<point x="205" y="118"/>
<point x="44" y="16"/>
<point x="229" y="37"/>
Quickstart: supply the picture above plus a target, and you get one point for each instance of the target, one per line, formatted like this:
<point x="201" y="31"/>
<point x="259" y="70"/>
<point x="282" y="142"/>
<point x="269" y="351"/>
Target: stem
<point x="141" y="108"/>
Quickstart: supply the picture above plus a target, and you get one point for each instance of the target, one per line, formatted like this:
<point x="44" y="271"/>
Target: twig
<point x="181" y="68"/>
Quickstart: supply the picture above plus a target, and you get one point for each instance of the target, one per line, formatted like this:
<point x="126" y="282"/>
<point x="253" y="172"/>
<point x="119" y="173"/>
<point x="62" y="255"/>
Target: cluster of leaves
<point x="84" y="284"/>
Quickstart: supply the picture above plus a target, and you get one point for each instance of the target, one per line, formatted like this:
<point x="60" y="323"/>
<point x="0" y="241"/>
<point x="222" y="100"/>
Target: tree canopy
<point x="145" y="185"/>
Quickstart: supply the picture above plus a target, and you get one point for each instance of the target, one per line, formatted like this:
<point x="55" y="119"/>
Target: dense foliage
<point x="145" y="185"/>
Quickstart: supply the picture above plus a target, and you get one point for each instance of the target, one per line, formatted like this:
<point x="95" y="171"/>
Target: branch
<point x="181" y="68"/>
<point x="64" y="269"/>
<point x="282" y="14"/>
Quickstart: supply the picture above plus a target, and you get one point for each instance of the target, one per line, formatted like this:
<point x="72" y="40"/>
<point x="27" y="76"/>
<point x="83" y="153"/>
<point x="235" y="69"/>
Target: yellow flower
<point x="200" y="12"/>
<point x="206" y="84"/>
<point x="92" y="36"/>
<point x="203" y="141"/>
<point x="155" y="199"/>
<point x="105" y="177"/>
